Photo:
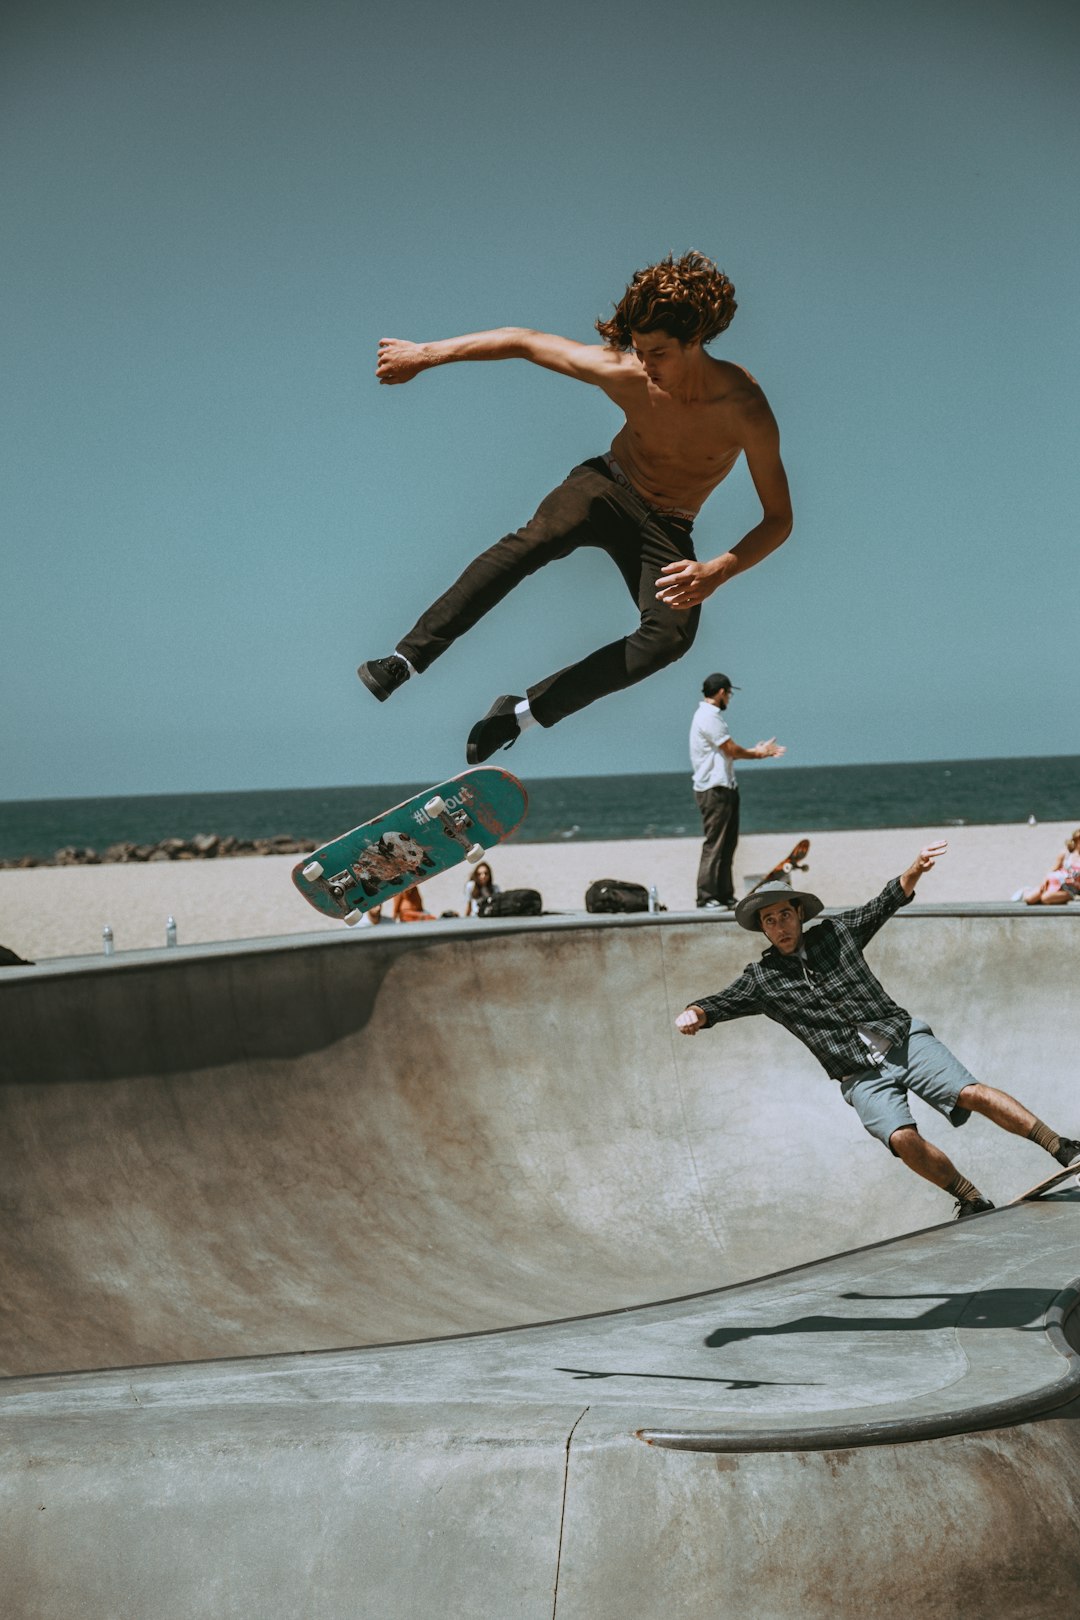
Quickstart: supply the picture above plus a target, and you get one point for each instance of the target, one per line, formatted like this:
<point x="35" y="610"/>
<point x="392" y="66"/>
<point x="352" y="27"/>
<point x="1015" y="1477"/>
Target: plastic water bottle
<point x="654" y="898"/>
<point x="170" y="931"/>
<point x="107" y="940"/>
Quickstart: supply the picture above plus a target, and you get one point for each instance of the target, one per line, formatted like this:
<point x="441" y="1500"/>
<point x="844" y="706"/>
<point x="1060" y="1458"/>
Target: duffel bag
<point x="511" y="903"/>
<point x="610" y="894"/>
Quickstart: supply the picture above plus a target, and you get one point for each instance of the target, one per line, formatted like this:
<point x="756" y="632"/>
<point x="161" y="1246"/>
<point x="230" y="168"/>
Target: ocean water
<point x="774" y="798"/>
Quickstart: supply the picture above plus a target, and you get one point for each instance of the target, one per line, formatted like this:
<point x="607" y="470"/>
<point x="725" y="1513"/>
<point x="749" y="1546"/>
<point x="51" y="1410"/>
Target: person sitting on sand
<point x="409" y="908"/>
<point x="818" y="985"/>
<point x="481" y="886"/>
<point x="1062" y="883"/>
<point x="688" y="418"/>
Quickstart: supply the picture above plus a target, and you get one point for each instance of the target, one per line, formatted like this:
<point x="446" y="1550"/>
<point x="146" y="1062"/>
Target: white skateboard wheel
<point x="474" y="853"/>
<point x="435" y="807"/>
<point x="312" y="871"/>
<point x="352" y="918"/>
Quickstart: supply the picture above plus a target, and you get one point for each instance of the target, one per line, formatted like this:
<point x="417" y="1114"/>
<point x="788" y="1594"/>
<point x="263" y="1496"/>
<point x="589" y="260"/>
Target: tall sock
<point x="963" y="1189"/>
<point x="524" y="715"/>
<point x="1045" y="1137"/>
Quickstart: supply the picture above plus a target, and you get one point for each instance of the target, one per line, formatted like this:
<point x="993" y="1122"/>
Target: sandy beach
<point x="60" y="911"/>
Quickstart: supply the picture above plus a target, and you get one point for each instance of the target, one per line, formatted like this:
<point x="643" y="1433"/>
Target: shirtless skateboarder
<point x="818" y="985"/>
<point x="688" y="419"/>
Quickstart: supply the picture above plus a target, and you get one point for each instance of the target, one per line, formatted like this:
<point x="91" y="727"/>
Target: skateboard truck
<point x="340" y="884"/>
<point x="455" y="824"/>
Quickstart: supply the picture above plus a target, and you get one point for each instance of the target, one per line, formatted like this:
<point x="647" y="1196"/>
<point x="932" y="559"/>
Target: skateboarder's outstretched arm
<point x="739" y="1000"/>
<point x="864" y="921"/>
<point x="399" y="360"/>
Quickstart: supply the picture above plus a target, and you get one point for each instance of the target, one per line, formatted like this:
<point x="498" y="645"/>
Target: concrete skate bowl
<point x="233" y="1167"/>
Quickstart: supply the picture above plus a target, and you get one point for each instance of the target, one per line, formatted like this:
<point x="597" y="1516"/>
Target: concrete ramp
<point x="262" y="1159"/>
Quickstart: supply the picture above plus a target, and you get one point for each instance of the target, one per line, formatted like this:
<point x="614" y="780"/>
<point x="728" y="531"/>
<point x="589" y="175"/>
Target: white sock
<point x="405" y="661"/>
<point x="524" y="715"/>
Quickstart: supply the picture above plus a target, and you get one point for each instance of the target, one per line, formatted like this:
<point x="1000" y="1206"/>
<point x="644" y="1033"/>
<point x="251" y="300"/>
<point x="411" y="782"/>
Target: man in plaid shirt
<point x="818" y="985"/>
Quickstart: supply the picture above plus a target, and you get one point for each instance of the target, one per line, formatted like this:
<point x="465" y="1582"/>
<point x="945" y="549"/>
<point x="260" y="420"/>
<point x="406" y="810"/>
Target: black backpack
<point x="511" y="903"/>
<point x="609" y="894"/>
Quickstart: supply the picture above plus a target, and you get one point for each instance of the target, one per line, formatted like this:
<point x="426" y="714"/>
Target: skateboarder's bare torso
<point x="677" y="450"/>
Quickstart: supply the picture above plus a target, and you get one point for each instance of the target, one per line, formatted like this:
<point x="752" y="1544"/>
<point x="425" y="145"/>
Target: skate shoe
<point x="498" y="729"/>
<point x="972" y="1206"/>
<point x="382" y="676"/>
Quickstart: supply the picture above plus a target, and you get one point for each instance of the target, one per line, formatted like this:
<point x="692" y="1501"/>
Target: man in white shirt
<point x="713" y="751"/>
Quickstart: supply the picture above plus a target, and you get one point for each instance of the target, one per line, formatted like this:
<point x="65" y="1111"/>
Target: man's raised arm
<point x="923" y="862"/>
<point x="400" y="360"/>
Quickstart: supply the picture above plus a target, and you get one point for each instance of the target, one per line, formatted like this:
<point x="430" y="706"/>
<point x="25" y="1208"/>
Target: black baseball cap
<point x="717" y="683"/>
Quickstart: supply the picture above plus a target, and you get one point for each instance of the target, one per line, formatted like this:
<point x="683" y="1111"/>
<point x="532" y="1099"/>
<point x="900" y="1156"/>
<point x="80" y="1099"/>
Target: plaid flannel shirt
<point x="822" y="999"/>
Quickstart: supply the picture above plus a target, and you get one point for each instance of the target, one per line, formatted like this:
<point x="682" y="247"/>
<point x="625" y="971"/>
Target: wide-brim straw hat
<point x="746" y="912"/>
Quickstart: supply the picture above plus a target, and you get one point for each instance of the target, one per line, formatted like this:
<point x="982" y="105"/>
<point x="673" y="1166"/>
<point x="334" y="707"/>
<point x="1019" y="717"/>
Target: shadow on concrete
<point x="688" y="1378"/>
<point x="1019" y="1308"/>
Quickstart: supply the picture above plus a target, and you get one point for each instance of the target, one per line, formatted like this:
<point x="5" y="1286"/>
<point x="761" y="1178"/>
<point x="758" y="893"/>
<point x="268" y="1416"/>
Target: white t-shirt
<point x="470" y="891"/>
<point x="710" y="765"/>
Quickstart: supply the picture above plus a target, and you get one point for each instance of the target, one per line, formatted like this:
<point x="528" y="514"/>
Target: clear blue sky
<point x="211" y="512"/>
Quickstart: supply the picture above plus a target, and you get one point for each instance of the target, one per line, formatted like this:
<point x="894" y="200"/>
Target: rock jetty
<point x="203" y="847"/>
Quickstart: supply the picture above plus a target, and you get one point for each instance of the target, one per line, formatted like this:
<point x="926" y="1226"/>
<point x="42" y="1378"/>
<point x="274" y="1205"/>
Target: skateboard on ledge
<point x="793" y="862"/>
<point x="457" y="821"/>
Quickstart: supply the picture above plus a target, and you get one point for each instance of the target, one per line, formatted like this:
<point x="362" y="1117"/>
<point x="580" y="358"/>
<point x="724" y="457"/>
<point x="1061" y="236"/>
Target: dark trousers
<point x="588" y="509"/>
<point x="719" y="808"/>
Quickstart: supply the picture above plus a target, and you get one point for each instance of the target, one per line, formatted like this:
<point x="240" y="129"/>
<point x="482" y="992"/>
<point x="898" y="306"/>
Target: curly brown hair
<point x="689" y="298"/>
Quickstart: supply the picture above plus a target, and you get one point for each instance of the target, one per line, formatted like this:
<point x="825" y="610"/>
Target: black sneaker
<point x="973" y="1206"/>
<point x="498" y="729"/>
<point x="384" y="675"/>
<point x="1068" y="1153"/>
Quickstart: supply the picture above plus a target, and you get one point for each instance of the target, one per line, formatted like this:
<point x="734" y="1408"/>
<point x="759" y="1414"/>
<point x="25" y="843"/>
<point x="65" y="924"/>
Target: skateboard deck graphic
<point x="427" y="834"/>
<point x="793" y="862"/>
<point x="1069" y="1173"/>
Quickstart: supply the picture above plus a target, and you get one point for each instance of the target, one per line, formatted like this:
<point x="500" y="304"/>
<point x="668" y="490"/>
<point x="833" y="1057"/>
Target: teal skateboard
<point x="427" y="834"/>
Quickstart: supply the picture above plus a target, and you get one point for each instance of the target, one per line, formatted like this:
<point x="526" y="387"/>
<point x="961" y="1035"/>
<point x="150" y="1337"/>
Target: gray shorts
<point x="920" y="1064"/>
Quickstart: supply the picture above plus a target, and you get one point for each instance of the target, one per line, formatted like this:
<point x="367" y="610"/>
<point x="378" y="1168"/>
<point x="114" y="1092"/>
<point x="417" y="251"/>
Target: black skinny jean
<point x="589" y="509"/>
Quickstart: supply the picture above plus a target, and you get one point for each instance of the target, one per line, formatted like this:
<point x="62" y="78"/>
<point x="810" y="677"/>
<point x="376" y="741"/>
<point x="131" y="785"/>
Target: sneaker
<point x="498" y="729"/>
<point x="382" y="676"/>
<point x="974" y="1206"/>
<point x="1068" y="1153"/>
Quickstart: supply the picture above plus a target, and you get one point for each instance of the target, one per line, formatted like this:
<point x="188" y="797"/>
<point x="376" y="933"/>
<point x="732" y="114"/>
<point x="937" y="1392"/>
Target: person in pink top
<point x="1062" y="883"/>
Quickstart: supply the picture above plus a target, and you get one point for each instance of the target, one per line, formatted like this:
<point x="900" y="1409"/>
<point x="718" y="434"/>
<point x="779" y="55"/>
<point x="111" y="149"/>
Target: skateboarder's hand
<point x="923" y="862"/>
<point x="686" y="583"/>
<point x="690" y="1021"/>
<point x="399" y="360"/>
